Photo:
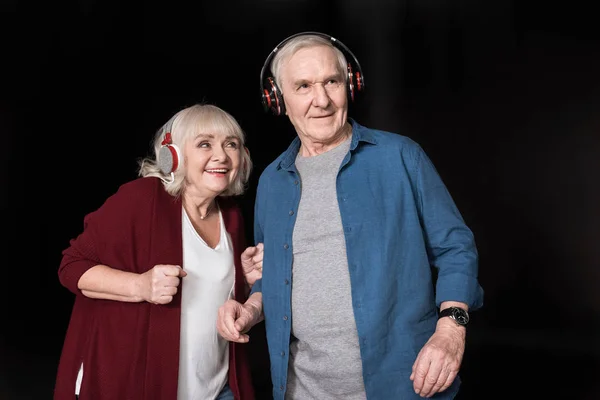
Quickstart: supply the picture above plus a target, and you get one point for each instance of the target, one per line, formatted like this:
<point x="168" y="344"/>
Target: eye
<point x="204" y="145"/>
<point x="233" y="145"/>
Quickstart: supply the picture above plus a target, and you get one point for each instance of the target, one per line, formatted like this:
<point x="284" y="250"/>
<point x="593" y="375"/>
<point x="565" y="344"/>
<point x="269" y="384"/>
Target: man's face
<point x="314" y="92"/>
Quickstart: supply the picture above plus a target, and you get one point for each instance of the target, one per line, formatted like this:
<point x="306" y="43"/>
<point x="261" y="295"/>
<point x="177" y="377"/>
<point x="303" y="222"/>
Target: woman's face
<point x="212" y="162"/>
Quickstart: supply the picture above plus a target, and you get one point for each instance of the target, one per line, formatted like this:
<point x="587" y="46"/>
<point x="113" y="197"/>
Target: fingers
<point x="414" y="367"/>
<point x="255" y="253"/>
<point x="430" y="383"/>
<point x="241" y="327"/>
<point x="258" y="255"/>
<point x="449" y="380"/>
<point x="260" y="248"/>
<point x="173" y="270"/>
<point x="226" y="322"/>
<point x="420" y="369"/>
<point x="249" y="252"/>
<point x="434" y="371"/>
<point x="171" y="281"/>
<point x="164" y="300"/>
<point x="163" y="283"/>
<point x="169" y="291"/>
<point x="164" y="295"/>
<point x="241" y="324"/>
<point x="257" y="259"/>
<point x="440" y="382"/>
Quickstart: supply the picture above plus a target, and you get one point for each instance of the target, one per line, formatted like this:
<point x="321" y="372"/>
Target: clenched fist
<point x="252" y="263"/>
<point x="159" y="285"/>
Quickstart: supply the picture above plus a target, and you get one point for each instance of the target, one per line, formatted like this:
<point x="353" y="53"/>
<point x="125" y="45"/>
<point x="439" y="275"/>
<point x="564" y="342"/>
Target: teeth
<point x="223" y="170"/>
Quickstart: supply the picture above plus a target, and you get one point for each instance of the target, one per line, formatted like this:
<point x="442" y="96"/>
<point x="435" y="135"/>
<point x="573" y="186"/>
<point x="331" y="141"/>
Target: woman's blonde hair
<point x="187" y="124"/>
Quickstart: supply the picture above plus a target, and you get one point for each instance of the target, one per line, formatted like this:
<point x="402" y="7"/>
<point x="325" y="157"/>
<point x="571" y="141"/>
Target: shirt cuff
<point x="257" y="287"/>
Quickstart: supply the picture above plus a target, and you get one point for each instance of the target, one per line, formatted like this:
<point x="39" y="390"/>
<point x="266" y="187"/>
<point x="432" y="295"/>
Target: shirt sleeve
<point x="450" y="243"/>
<point x="259" y="208"/>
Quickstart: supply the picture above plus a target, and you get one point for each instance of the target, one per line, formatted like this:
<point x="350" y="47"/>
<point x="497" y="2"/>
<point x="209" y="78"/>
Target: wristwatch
<point x="459" y="315"/>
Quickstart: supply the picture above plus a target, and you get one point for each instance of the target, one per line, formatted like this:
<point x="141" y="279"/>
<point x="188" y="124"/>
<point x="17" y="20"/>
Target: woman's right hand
<point x="159" y="284"/>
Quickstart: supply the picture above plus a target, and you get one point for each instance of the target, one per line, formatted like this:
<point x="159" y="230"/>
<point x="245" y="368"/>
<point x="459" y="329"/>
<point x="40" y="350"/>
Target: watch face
<point x="460" y="316"/>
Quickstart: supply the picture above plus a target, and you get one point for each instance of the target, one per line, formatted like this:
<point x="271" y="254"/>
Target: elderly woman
<point x="151" y="268"/>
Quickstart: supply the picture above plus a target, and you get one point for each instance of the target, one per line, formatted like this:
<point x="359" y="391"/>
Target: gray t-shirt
<point x="324" y="358"/>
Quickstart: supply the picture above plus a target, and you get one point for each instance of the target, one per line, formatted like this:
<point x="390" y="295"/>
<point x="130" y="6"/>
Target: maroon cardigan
<point x="130" y="351"/>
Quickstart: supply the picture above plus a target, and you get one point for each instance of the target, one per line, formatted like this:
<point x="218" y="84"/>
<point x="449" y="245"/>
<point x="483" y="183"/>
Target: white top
<point x="204" y="355"/>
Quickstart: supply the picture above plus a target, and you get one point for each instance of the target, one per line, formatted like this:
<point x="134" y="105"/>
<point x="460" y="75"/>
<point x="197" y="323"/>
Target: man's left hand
<point x="438" y="362"/>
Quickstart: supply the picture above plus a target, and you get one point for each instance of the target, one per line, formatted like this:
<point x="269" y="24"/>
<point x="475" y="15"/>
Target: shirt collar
<point x="359" y="134"/>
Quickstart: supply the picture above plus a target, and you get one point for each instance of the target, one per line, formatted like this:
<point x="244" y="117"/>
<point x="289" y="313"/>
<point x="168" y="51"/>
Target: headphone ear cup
<point x="355" y="82"/>
<point x="359" y="82"/>
<point x="280" y="101"/>
<point x="350" y="83"/>
<point x="272" y="98"/>
<point x="169" y="158"/>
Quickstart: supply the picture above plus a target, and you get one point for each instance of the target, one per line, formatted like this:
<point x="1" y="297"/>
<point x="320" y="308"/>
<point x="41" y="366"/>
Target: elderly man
<point x="353" y="220"/>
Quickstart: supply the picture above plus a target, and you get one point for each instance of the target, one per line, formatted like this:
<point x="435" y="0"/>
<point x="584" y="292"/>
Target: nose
<point x="321" y="97"/>
<point x="219" y="154"/>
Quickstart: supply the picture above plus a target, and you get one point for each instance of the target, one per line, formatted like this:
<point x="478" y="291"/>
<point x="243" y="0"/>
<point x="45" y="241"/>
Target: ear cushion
<point x="359" y="81"/>
<point x="272" y="99"/>
<point x="350" y="83"/>
<point x="168" y="158"/>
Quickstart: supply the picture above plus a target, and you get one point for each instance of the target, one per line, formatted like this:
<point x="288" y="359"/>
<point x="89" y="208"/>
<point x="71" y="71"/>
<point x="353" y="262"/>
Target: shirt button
<point x="286" y="282"/>
<point x="291" y="212"/>
<point x="357" y="305"/>
<point x="348" y="229"/>
<point x="282" y="353"/>
<point x="295" y="182"/>
<point x="281" y="387"/>
<point x="285" y="317"/>
<point x="285" y="246"/>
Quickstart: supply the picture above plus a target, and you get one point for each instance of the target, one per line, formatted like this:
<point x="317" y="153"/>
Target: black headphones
<point x="272" y="99"/>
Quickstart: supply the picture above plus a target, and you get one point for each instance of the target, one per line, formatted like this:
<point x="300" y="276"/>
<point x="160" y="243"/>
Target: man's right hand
<point x="235" y="319"/>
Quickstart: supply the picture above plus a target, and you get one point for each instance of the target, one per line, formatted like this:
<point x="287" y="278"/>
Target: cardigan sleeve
<point x="110" y="234"/>
<point x="80" y="256"/>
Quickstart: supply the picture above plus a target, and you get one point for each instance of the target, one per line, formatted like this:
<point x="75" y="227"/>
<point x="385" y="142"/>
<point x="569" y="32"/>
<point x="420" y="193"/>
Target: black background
<point x="502" y="95"/>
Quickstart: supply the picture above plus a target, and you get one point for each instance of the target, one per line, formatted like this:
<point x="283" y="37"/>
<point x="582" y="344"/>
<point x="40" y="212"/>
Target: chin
<point x="325" y="133"/>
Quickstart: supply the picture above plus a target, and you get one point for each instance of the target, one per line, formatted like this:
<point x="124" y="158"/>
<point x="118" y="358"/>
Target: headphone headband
<point x="272" y="98"/>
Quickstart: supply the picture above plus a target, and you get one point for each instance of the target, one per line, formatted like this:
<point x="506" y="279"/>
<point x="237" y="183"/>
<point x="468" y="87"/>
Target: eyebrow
<point x="300" y="82"/>
<point x="336" y="76"/>
<point x="211" y="136"/>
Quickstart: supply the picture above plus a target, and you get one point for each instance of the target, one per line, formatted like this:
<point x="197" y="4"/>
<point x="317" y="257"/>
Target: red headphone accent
<point x="167" y="140"/>
<point x="168" y="157"/>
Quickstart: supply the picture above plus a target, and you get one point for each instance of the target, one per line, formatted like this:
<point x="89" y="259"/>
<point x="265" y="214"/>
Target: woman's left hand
<point x="252" y="263"/>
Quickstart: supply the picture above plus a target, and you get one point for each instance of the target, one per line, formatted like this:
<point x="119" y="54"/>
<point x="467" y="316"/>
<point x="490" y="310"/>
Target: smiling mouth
<point x="217" y="170"/>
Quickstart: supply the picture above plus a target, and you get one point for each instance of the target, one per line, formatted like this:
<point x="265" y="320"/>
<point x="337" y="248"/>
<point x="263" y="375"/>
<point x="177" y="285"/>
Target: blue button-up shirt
<point x="399" y="221"/>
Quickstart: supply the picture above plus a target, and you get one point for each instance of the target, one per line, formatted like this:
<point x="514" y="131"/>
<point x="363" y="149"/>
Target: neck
<point x="200" y="208"/>
<point x="310" y="149"/>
